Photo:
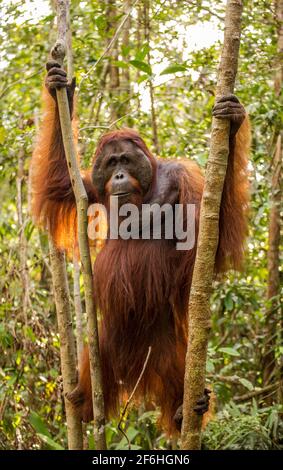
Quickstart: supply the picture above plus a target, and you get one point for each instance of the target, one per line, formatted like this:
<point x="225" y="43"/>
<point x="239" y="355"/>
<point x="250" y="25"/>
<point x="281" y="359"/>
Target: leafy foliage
<point x="245" y="428"/>
<point x="182" y="75"/>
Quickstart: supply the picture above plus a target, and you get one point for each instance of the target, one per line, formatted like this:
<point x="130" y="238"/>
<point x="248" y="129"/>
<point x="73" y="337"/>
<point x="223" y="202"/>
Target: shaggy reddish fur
<point x="141" y="286"/>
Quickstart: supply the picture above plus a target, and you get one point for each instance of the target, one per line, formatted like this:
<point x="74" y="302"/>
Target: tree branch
<point x="256" y="393"/>
<point x="199" y="323"/>
<point x="58" y="53"/>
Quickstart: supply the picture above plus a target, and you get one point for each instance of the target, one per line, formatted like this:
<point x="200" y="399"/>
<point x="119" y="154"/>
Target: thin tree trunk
<point x="124" y="107"/>
<point x="139" y="43"/>
<point x="67" y="343"/>
<point x="273" y="263"/>
<point x="146" y="6"/>
<point x="114" y="78"/>
<point x="65" y="328"/>
<point x="78" y="309"/>
<point x="58" y="53"/>
<point x="199" y="323"/>
<point x="45" y="271"/>
<point x="69" y="49"/>
<point x="273" y="259"/>
<point x="24" y="272"/>
<point x="76" y="266"/>
<point x="126" y="82"/>
<point x="279" y="62"/>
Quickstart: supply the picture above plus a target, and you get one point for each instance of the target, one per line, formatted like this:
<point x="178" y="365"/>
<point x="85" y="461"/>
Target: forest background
<point x="159" y="77"/>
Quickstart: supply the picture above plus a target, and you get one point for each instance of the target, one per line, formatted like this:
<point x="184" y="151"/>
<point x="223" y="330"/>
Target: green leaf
<point x="121" y="64"/>
<point x="142" y="78"/>
<point x="143" y="66"/>
<point x="141" y="54"/>
<point x="132" y="433"/>
<point x="125" y="50"/>
<point x="246" y="383"/>
<point x="52" y="444"/>
<point x="38" y="424"/>
<point x="230" y="351"/>
<point x="228" y="302"/>
<point x="101" y="23"/>
<point x="173" y="69"/>
<point x="2" y="135"/>
<point x="30" y="334"/>
<point x="210" y="366"/>
<point x="91" y="444"/>
<point x="12" y="380"/>
<point x="29" y="228"/>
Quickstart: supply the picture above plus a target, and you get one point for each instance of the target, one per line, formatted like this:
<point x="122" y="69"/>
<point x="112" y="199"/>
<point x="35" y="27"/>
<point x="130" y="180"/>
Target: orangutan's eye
<point x="112" y="162"/>
<point x="125" y="160"/>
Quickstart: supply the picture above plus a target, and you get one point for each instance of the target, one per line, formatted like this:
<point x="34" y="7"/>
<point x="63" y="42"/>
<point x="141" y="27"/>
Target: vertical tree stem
<point x="23" y="245"/>
<point x="114" y="76"/>
<point x="199" y="311"/>
<point x="274" y="229"/>
<point x="78" y="308"/>
<point x="146" y="7"/>
<point x="58" y="53"/>
<point x="66" y="334"/>
<point x="67" y="343"/>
